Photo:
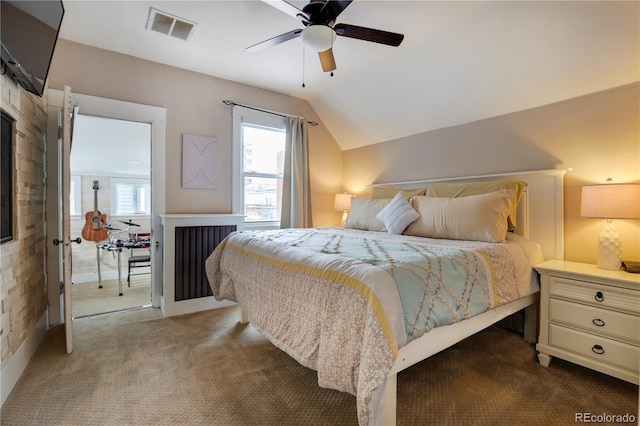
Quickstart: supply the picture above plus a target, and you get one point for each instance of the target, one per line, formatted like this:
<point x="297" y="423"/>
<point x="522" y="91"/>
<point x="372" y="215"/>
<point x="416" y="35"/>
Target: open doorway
<point x="111" y="208"/>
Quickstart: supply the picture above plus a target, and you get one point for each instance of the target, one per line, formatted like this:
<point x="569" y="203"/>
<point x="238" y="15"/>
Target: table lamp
<point x="610" y="201"/>
<point x="343" y="203"/>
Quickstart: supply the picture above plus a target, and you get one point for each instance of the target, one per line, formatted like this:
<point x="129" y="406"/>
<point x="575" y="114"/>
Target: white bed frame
<point x="540" y="218"/>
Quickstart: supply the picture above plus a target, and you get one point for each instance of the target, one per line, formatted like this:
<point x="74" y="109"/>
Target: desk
<point x="116" y="246"/>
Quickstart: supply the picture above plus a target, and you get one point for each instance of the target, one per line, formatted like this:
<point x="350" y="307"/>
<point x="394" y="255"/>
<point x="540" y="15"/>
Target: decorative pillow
<point x="464" y="189"/>
<point x="390" y="192"/>
<point x="476" y="217"/>
<point x="397" y="215"/>
<point x="363" y="212"/>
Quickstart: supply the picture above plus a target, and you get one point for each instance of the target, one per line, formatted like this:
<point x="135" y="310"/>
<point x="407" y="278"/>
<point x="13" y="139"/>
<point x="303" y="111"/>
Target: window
<point x="6" y="188"/>
<point x="259" y="143"/>
<point x="76" y="196"/>
<point x="130" y="197"/>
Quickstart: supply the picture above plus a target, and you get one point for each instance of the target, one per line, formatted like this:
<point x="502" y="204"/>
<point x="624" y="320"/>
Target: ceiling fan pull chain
<point x="303" y="66"/>
<point x="332" y="53"/>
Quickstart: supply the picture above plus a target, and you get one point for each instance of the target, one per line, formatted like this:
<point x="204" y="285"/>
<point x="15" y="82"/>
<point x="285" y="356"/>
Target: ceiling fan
<point x="319" y="17"/>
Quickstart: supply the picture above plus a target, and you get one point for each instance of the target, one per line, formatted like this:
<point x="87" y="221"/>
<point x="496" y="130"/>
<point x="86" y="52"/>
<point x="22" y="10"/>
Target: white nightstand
<point x="591" y="317"/>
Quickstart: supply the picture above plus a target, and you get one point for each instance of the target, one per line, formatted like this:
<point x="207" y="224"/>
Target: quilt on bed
<point x="343" y="301"/>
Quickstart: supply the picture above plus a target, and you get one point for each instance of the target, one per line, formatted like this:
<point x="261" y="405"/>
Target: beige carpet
<point x="136" y="368"/>
<point x="88" y="299"/>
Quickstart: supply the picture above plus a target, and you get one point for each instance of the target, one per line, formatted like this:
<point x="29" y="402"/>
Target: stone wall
<point x="22" y="261"/>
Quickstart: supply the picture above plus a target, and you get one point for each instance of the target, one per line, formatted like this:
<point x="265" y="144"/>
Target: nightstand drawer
<point x="598" y="348"/>
<point x="596" y="320"/>
<point x="596" y="294"/>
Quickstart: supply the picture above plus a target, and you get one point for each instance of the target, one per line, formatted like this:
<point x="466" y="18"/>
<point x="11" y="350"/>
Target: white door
<point x="67" y="239"/>
<point x="110" y="108"/>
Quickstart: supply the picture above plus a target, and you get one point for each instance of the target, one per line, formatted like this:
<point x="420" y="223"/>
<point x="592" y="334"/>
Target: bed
<point x="360" y="304"/>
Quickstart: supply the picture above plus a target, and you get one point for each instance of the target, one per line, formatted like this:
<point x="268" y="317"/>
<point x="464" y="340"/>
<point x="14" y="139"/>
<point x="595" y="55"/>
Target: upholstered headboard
<point x="540" y="211"/>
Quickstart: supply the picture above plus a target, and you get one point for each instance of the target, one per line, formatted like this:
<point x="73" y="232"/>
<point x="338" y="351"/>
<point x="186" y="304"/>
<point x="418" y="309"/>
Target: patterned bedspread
<point x="343" y="301"/>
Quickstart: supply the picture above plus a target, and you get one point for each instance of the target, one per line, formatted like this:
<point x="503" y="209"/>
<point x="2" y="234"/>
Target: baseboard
<point x="18" y="363"/>
<point x="92" y="277"/>
<point x="170" y="309"/>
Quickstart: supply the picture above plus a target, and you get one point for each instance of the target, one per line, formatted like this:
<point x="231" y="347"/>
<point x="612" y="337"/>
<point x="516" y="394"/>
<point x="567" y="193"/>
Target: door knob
<point x="57" y="242"/>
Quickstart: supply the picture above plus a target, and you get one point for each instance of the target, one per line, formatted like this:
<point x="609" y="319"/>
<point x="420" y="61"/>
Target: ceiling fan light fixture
<point x="318" y="37"/>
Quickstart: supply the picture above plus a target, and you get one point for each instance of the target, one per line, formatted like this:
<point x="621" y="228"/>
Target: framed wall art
<point x="199" y="162"/>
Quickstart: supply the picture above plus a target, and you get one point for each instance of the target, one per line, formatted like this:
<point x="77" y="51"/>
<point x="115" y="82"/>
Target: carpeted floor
<point x="88" y="299"/>
<point x="136" y="368"/>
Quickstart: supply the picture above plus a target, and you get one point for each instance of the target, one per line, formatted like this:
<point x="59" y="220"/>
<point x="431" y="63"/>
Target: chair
<point x="138" y="261"/>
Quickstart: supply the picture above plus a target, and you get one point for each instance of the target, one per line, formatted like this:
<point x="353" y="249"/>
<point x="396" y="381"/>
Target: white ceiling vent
<point x="170" y="25"/>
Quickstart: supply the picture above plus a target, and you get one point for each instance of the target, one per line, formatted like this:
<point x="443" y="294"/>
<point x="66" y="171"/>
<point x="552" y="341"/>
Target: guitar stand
<point x="98" y="259"/>
<point x="119" y="274"/>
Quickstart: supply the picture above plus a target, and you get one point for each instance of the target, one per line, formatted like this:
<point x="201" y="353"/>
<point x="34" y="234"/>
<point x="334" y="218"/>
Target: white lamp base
<point x="609" y="248"/>
<point x="344" y="218"/>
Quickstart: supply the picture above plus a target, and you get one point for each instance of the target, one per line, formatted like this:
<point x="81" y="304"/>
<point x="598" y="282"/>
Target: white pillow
<point x="475" y="218"/>
<point x="397" y="215"/>
<point x="362" y="214"/>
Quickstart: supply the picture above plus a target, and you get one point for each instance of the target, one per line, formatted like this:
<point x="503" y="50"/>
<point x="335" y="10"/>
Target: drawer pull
<point x="598" y="322"/>
<point x="598" y="349"/>
<point x="599" y="297"/>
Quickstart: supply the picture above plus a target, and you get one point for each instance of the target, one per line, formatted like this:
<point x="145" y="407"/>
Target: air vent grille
<point x="170" y="25"/>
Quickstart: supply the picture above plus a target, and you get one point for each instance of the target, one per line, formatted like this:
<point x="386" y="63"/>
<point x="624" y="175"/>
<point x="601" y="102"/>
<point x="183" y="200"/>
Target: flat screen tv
<point x="29" y="31"/>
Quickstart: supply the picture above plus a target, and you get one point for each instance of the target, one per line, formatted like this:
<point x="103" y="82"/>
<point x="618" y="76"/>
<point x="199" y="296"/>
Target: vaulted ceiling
<point x="459" y="61"/>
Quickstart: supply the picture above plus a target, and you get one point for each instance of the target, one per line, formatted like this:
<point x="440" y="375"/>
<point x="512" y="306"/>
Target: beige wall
<point x="194" y="105"/>
<point x="22" y="261"/>
<point x="596" y="135"/>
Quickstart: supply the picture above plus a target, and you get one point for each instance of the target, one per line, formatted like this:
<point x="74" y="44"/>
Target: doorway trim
<point x="156" y="116"/>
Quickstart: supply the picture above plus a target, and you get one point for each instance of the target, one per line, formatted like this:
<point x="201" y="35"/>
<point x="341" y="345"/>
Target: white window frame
<point x="241" y="116"/>
<point x="114" y="196"/>
<point x="75" y="203"/>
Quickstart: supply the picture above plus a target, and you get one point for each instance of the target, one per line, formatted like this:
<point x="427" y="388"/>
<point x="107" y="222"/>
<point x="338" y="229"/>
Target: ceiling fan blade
<point x="335" y="7"/>
<point x="327" y="60"/>
<point x="369" y="34"/>
<point x="275" y="40"/>
<point x="288" y="8"/>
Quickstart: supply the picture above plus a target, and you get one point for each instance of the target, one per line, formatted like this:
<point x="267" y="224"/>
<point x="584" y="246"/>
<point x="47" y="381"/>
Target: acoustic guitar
<point x="94" y="229"/>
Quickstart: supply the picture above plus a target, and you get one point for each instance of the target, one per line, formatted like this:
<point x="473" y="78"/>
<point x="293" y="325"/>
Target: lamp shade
<point x="611" y="201"/>
<point x="318" y="37"/>
<point x="342" y="202"/>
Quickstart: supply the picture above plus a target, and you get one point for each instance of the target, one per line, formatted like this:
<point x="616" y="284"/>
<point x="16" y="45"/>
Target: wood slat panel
<point x="193" y="245"/>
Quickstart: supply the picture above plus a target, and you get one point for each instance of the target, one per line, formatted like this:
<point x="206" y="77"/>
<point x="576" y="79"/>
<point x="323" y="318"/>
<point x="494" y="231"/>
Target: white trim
<point x="519" y="175"/>
<point x="544" y="217"/>
<point x="240" y="116"/>
<point x="76" y="207"/>
<point x="261" y="226"/>
<point x="441" y="338"/>
<point x="111" y="108"/>
<point x="20" y="360"/>
<point x="136" y="182"/>
<point x="171" y="307"/>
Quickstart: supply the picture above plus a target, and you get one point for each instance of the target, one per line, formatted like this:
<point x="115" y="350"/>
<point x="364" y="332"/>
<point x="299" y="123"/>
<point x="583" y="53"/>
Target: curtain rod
<point x="231" y="103"/>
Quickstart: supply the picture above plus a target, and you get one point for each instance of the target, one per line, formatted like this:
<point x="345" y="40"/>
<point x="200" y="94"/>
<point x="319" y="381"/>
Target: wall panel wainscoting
<point x="188" y="241"/>
<point x="193" y="245"/>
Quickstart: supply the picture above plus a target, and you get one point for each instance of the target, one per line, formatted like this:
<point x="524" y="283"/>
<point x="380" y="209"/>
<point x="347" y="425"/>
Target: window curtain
<point x="296" y="189"/>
